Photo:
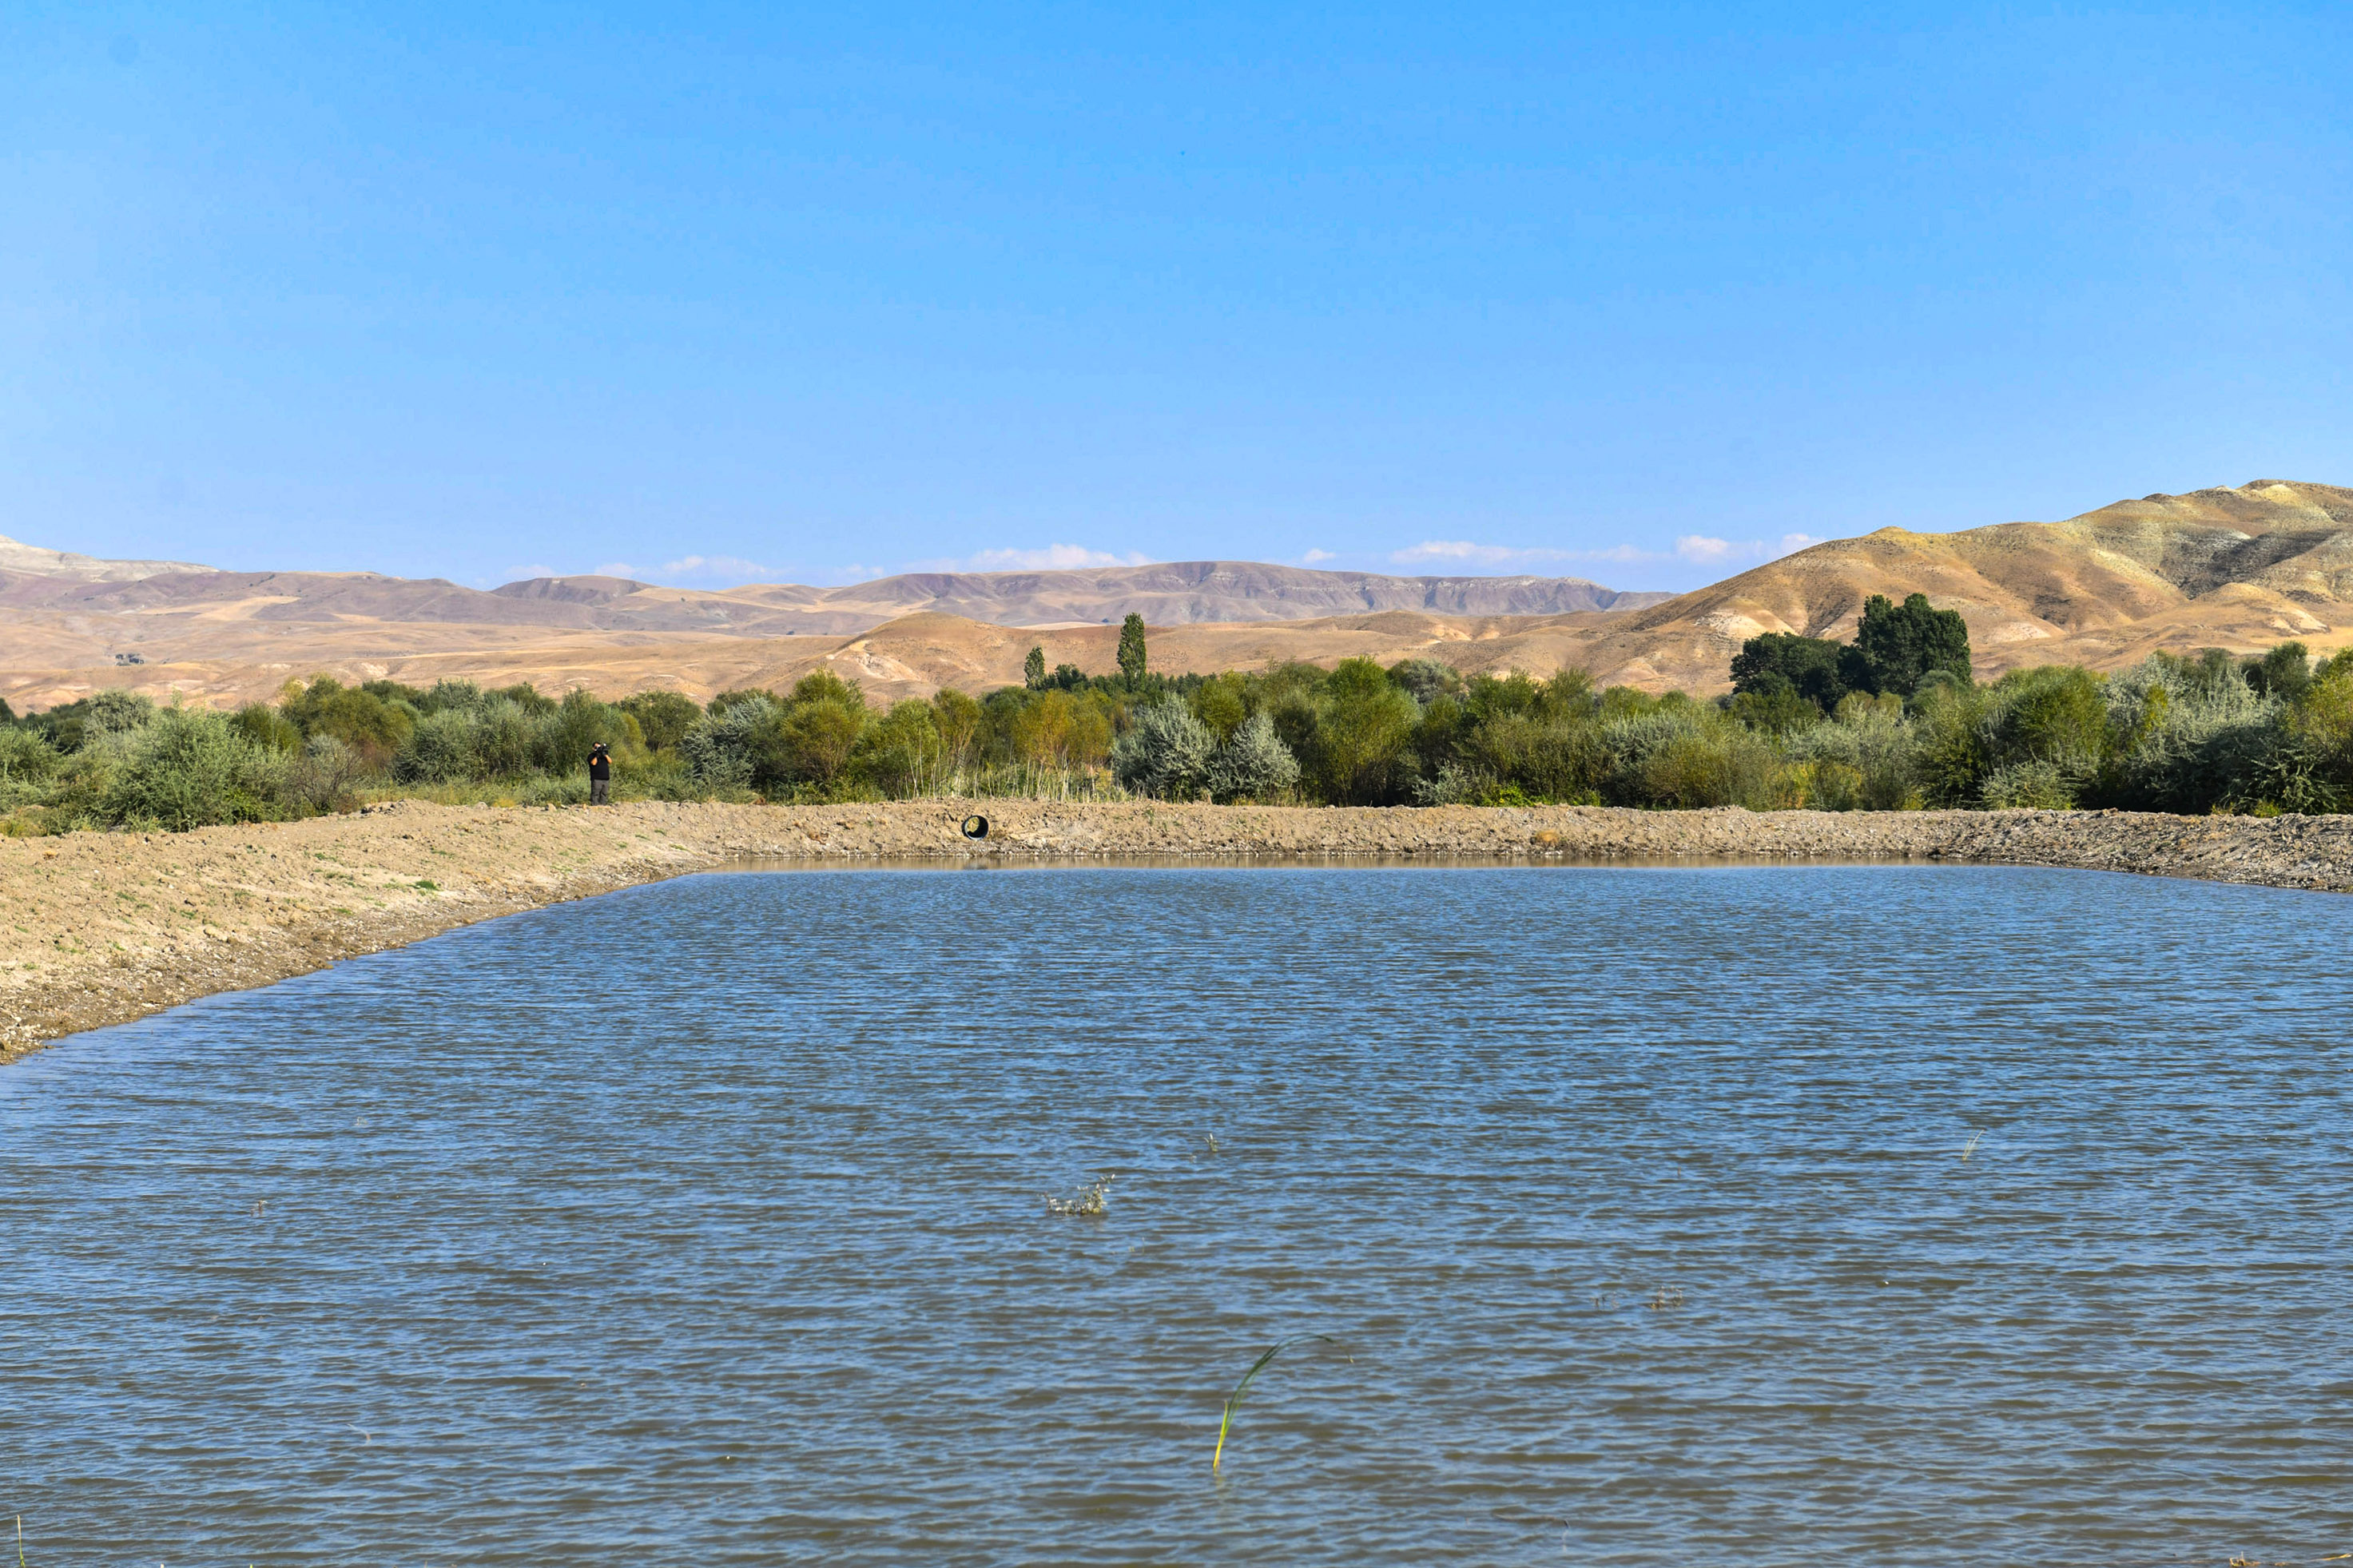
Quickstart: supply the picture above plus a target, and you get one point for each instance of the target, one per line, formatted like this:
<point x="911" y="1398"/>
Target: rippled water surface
<point x="705" y="1223"/>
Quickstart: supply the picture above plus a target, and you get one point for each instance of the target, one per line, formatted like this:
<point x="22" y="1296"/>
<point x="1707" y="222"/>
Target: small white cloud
<point x="725" y="569"/>
<point x="1697" y="549"/>
<point x="525" y="573"/>
<point x="1621" y="553"/>
<point x="734" y="568"/>
<point x="1313" y="556"/>
<point x="1052" y="558"/>
<point x="1465" y="550"/>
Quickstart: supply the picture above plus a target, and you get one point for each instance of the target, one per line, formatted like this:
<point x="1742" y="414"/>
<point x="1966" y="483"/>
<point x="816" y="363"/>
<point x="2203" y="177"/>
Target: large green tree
<point x="1781" y="662"/>
<point x="1895" y="645"/>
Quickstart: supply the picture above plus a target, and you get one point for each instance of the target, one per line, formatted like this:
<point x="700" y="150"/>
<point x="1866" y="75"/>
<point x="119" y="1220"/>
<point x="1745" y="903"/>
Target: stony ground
<point x="98" y="927"/>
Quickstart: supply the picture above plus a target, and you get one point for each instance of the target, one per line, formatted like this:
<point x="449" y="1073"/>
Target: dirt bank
<point x="100" y="928"/>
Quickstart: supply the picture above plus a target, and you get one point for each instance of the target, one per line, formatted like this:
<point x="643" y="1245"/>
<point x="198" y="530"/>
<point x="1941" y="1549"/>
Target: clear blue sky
<point x="1633" y="293"/>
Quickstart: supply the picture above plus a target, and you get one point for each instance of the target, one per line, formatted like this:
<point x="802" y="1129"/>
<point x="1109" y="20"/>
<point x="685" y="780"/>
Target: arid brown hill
<point x="2241" y="568"/>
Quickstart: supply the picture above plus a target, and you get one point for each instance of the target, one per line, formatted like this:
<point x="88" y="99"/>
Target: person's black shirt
<point x="600" y="765"/>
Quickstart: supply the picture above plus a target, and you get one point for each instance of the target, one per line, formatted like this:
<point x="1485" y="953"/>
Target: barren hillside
<point x="2241" y="568"/>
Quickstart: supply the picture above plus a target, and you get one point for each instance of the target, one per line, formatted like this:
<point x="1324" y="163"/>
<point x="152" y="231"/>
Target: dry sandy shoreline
<point x="102" y="928"/>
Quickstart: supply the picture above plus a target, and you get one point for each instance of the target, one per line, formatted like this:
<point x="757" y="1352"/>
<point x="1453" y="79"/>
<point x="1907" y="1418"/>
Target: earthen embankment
<point x="102" y="928"/>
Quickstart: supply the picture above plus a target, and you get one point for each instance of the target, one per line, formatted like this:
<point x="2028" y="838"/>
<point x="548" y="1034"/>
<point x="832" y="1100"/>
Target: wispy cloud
<point x="1313" y="556"/>
<point x="1464" y="550"/>
<point x="1052" y="558"/>
<point x="1693" y="548"/>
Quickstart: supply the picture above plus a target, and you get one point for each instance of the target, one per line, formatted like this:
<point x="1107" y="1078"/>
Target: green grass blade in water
<point x="1233" y="1400"/>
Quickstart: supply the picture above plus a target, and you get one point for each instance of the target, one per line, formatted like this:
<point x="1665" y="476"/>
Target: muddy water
<point x="706" y="1222"/>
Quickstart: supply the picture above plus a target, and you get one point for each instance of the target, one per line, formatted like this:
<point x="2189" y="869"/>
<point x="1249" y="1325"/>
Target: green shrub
<point x="358" y="717"/>
<point x="192" y="768"/>
<point x="663" y="717"/>
<point x="1166" y="753"/>
<point x="903" y="755"/>
<point x="723" y="751"/>
<point x="1253" y="763"/>
<point x="444" y="748"/>
<point x="266" y="726"/>
<point x="2036" y="783"/>
<point x="25" y="758"/>
<point x="1358" y="747"/>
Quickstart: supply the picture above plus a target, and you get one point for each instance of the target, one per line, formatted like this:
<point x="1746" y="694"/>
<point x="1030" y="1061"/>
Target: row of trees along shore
<point x="1892" y="721"/>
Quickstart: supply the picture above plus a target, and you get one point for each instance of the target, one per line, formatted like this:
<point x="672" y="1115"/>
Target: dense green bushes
<point x="2209" y="733"/>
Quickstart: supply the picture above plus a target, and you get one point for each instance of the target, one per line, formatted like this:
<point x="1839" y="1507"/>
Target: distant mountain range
<point x="2241" y="568"/>
<point x="1171" y="594"/>
<point x="34" y="561"/>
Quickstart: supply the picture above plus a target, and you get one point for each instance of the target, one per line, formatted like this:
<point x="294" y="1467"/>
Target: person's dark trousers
<point x="600" y="792"/>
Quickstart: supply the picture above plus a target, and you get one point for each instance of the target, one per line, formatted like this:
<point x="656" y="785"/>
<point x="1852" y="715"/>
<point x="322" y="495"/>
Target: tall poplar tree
<point x="1130" y="648"/>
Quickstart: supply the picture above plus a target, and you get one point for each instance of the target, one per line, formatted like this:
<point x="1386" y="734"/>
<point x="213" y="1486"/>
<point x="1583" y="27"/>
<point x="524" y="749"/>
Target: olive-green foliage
<point x="364" y="719"/>
<point x="726" y="700"/>
<point x="1861" y="760"/>
<point x="1033" y="668"/>
<point x="2045" y="735"/>
<point x="24" y="757"/>
<point x="192" y="767"/>
<point x="724" y="750"/>
<point x="2196" y="733"/>
<point x="1222" y="703"/>
<point x="266" y="726"/>
<point x="1359" y="746"/>
<point x="823" y="720"/>
<point x="959" y="718"/>
<point x="905" y="752"/>
<point x="68" y="726"/>
<point x="1166" y="752"/>
<point x="1253" y="763"/>
<point x="447" y="693"/>
<point x="2284" y="672"/>
<point x="1895" y="645"/>
<point x="2041" y="784"/>
<point x="526" y="695"/>
<point x="1775" y="707"/>
<point x="1779" y="668"/>
<point x="2190" y="735"/>
<point x="2319" y="739"/>
<point x="663" y="717"/>
<point x="1424" y="679"/>
<point x="1131" y="648"/>
<point x="1686" y="755"/>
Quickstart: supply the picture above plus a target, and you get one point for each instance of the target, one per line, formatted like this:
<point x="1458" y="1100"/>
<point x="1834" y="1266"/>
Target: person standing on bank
<point x="600" y="775"/>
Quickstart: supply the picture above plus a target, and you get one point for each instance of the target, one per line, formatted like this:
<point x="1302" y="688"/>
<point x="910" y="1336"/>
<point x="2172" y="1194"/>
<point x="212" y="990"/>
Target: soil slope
<point x="101" y="928"/>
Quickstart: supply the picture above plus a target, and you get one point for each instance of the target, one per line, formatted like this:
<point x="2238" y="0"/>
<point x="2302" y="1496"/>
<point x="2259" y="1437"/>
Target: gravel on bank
<point x="104" y="927"/>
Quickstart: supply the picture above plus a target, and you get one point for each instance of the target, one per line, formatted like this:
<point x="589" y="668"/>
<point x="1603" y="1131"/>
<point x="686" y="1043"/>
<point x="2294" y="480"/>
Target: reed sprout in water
<point x="1233" y="1400"/>
<point x="1971" y="1146"/>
